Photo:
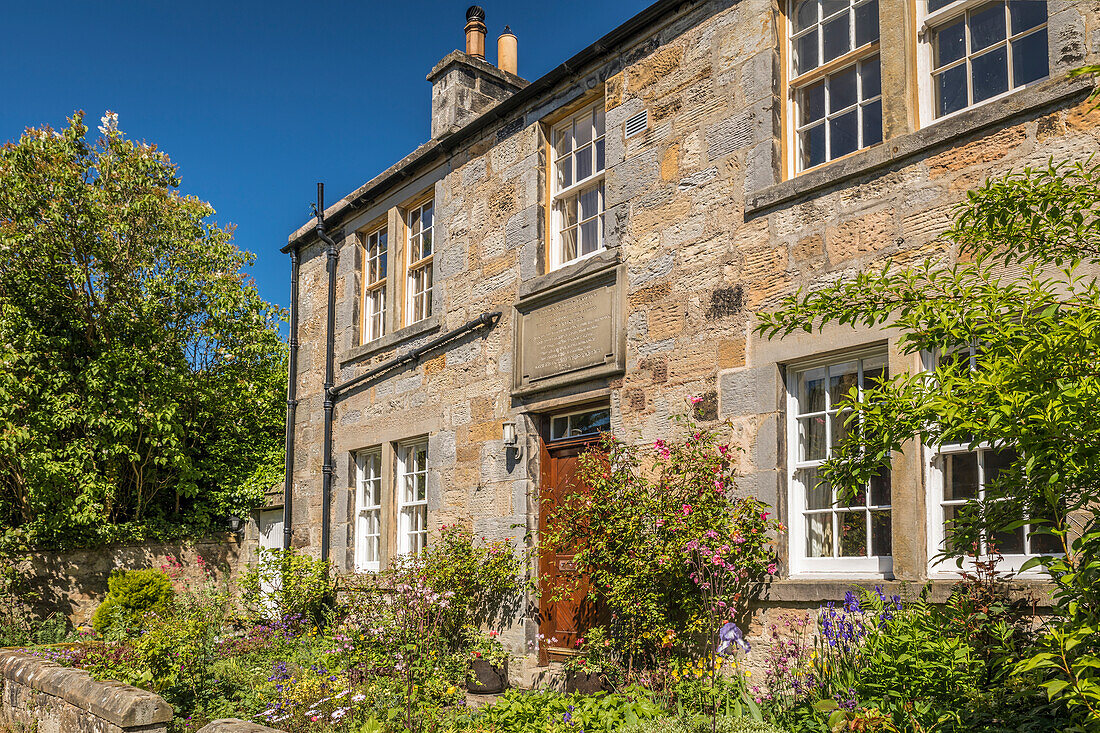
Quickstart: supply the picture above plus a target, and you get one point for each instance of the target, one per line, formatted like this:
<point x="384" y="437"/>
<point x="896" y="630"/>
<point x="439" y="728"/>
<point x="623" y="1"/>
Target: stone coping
<point x="900" y="149"/>
<point x="232" y="725"/>
<point x="118" y="704"/>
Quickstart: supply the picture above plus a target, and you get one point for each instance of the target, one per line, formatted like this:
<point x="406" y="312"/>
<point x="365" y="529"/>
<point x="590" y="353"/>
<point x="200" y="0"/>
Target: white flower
<point x="359" y="698"/>
<point x="108" y="123"/>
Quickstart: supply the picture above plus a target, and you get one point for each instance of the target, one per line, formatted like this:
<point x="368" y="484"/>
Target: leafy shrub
<point x="130" y="594"/>
<point x="702" y="724"/>
<point x="641" y="528"/>
<point x="536" y="712"/>
<point x="484" y="577"/>
<point x="287" y="582"/>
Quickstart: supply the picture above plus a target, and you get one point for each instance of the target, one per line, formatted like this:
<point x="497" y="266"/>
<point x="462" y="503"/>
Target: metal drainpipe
<point x="330" y="358"/>
<point x="291" y="401"/>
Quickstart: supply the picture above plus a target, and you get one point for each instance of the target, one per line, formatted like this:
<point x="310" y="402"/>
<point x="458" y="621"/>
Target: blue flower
<point x="729" y="635"/>
<point x="897" y="601"/>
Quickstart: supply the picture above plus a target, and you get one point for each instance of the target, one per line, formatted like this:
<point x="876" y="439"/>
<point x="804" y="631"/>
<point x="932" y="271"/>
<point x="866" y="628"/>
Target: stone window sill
<point x="390" y="340"/>
<point x="823" y="590"/>
<point x="906" y="146"/>
<point x="567" y="273"/>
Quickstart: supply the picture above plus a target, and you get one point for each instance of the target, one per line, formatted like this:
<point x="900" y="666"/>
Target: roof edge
<point x="436" y="149"/>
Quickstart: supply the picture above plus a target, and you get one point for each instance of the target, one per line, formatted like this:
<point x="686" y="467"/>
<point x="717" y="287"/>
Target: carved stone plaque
<point x="569" y="334"/>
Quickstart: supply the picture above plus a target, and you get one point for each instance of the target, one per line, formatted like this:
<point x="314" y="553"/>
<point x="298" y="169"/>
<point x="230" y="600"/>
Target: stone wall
<point x="705" y="228"/>
<point x="42" y="696"/>
<point x="232" y="725"/>
<point x="73" y="583"/>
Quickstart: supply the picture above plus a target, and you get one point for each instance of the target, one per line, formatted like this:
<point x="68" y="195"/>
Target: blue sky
<point x="256" y="101"/>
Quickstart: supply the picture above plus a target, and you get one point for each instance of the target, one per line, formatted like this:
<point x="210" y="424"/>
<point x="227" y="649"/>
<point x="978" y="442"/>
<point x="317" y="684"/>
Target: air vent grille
<point x="636" y="124"/>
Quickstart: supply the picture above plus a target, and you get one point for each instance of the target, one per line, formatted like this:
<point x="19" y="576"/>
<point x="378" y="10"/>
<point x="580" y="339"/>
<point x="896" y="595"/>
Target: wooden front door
<point x="564" y="621"/>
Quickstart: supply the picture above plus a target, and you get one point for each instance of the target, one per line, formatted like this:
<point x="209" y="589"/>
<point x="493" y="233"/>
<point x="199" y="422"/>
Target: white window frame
<point x="870" y="566"/>
<point x="942" y="17"/>
<point x="829" y="68"/>
<point x="368" y="507"/>
<point x="375" y="280"/>
<point x="935" y="480"/>
<point x="412" y="510"/>
<point x="569" y="418"/>
<point x="420" y="269"/>
<point x="560" y="194"/>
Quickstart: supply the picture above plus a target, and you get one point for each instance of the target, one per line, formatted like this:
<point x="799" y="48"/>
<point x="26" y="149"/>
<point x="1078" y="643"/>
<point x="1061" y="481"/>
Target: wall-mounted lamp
<point x="510" y="438"/>
<point x="236" y="524"/>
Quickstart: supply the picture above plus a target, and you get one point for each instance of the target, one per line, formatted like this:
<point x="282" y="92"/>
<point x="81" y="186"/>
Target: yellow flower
<point x="748" y="673"/>
<point x="451" y="690"/>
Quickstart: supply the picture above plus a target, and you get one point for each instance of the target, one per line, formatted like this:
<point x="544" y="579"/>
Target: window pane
<point x="830" y="7"/>
<point x="584" y="162"/>
<point x="949" y="44"/>
<point x="934" y="5"/>
<point x="881" y="540"/>
<point x="805" y="14"/>
<point x="1024" y="14"/>
<point x="846" y="497"/>
<point x="582" y="130"/>
<point x="564" y="140"/>
<point x="872" y="124"/>
<point x="600" y="162"/>
<point x="880" y="489"/>
<point x="811" y="432"/>
<point x="840" y="427"/>
<point x="813" y="146"/>
<point x="870" y="78"/>
<point x="1010" y="542"/>
<point x="950" y="88"/>
<point x="950" y="514"/>
<point x="990" y="74"/>
<point x="590" y="423"/>
<point x="812" y="103"/>
<point x="836" y="38"/>
<point x="805" y="53"/>
<point x="960" y="476"/>
<point x="590" y="203"/>
<point x="842" y="89"/>
<point x="569" y="244"/>
<point x="811" y="395"/>
<point x="599" y="120"/>
<point x="819" y="495"/>
<point x="987" y="26"/>
<point x="842" y="378"/>
<point x="590" y="236"/>
<point x="867" y="23"/>
<point x="427" y="216"/>
<point x="853" y="534"/>
<point x="996" y="461"/>
<point x="1029" y="58"/>
<point x="558" y="428"/>
<point x="819" y="535"/>
<point x="844" y="134"/>
<point x="414" y="222"/>
<point x="565" y="172"/>
<point x="1045" y="544"/>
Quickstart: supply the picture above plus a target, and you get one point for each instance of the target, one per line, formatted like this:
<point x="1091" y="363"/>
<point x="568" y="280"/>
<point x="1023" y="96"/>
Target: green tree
<point x="141" y="374"/>
<point x="1009" y="319"/>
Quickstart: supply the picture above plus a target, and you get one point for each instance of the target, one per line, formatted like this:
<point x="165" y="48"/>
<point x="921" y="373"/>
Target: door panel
<point x="568" y="619"/>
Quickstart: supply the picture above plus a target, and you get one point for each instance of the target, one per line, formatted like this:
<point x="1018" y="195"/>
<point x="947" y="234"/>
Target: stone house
<point x="587" y="251"/>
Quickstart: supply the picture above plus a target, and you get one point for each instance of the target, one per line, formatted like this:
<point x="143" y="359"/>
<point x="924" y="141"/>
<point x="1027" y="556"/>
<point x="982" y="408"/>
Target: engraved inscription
<point x="569" y="335"/>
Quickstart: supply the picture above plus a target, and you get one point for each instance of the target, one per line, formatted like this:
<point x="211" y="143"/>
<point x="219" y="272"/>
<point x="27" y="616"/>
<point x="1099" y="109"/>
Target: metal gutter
<point x="291" y="400"/>
<point x="330" y="358"/>
<point x="485" y="320"/>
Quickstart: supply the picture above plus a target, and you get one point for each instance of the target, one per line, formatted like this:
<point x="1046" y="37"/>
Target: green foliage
<point x="282" y="583"/>
<point x="547" y="711"/>
<point x="141" y="375"/>
<point x="484" y="578"/>
<point x="1016" y="290"/>
<point x="131" y="594"/>
<point x="640" y="529"/>
<point x="702" y="724"/>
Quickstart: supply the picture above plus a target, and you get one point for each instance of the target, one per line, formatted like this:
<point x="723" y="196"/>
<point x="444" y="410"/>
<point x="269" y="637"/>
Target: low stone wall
<point x="73" y="583"/>
<point x="42" y="696"/>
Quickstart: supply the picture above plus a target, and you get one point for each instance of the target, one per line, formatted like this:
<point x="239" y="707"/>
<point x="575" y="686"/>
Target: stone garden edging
<point x="232" y="725"/>
<point x="38" y="694"/>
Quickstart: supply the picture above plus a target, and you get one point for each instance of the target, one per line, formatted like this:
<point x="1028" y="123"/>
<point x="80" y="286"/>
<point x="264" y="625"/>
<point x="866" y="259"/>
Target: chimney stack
<point x="508" y="52"/>
<point x="475" y="32"/>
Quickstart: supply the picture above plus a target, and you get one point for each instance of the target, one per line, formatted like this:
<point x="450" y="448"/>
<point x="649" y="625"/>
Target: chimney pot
<point x="508" y="52"/>
<point x="475" y="31"/>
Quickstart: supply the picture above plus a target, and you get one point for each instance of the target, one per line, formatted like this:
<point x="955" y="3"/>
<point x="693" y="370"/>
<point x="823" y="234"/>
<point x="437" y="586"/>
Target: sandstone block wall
<point x="43" y="696"/>
<point x="73" y="583"/>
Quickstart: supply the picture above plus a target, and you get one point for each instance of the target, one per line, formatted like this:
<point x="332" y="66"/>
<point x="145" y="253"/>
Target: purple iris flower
<point x="729" y="635"/>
